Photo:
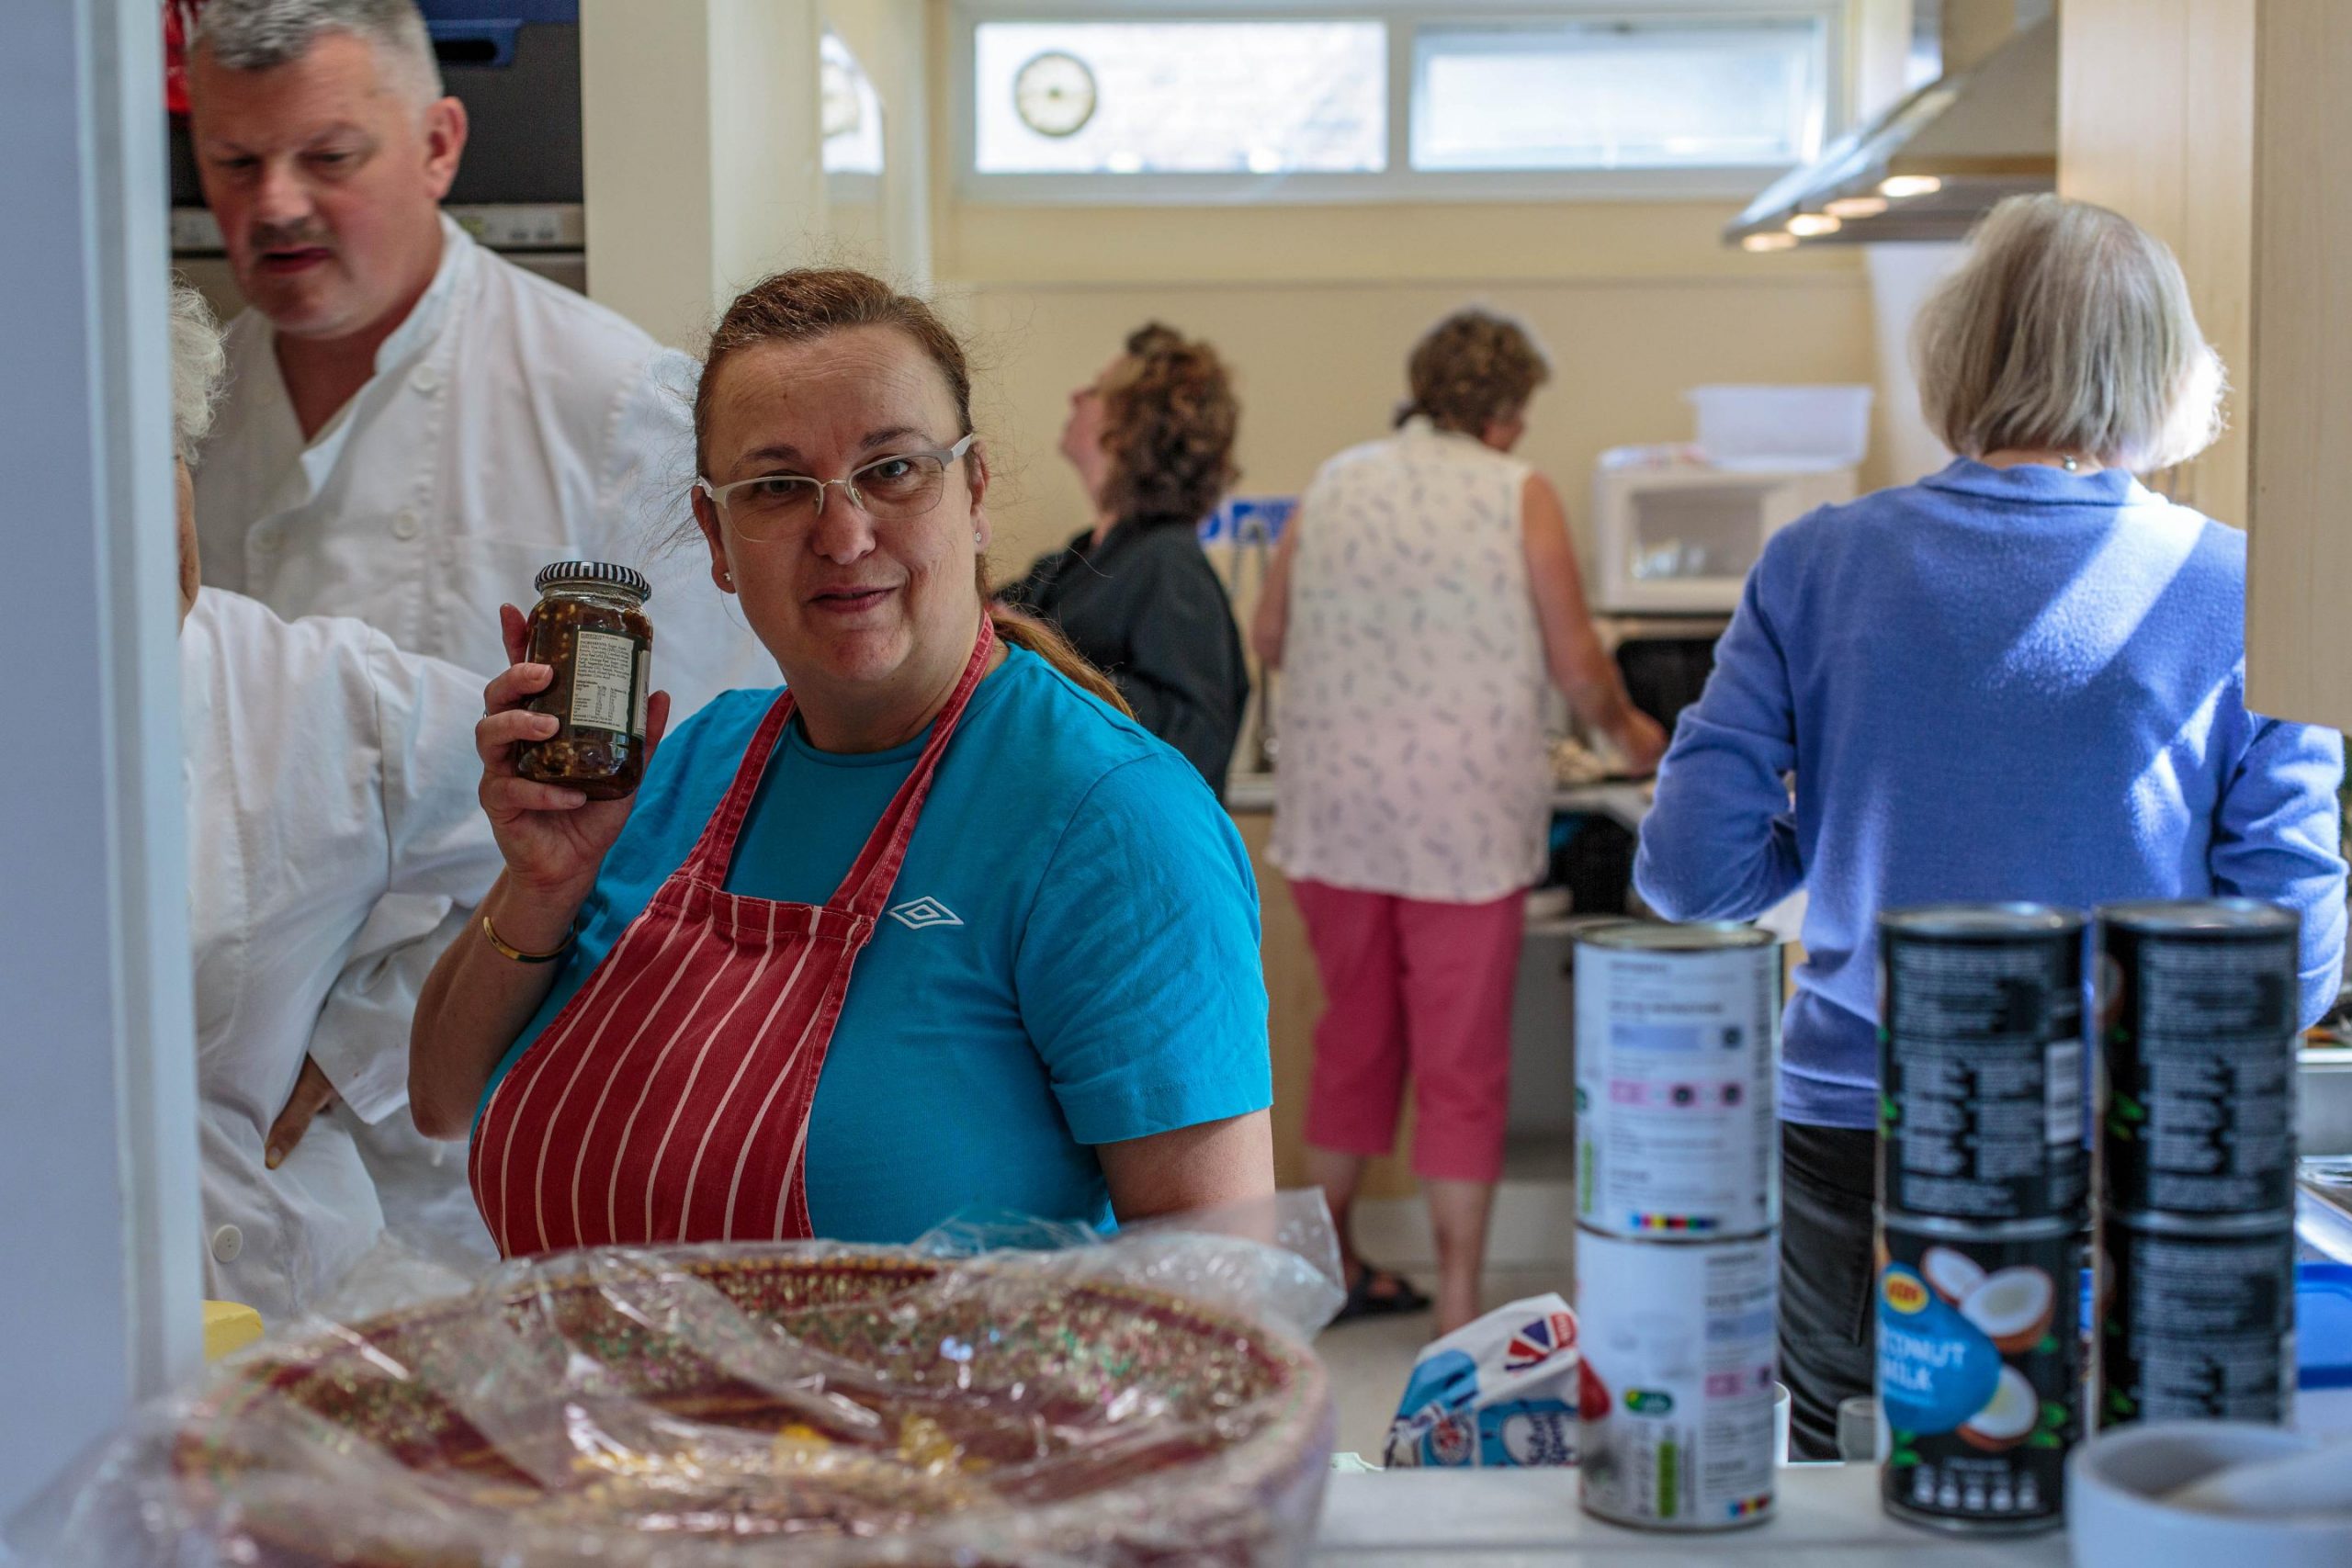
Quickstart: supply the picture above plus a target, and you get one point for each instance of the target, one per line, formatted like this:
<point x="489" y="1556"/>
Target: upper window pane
<point x="1633" y="93"/>
<point x="851" y="108"/>
<point x="1180" y="98"/>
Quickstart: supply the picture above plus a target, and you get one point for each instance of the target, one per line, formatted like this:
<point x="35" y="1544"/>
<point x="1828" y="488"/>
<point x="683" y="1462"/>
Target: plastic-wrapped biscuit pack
<point x="1147" y="1400"/>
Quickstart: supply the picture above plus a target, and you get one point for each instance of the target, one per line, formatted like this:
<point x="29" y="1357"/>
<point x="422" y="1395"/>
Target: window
<point x="852" y="111"/>
<point x="1620" y="94"/>
<point x="1185" y="98"/>
<point x="1355" y="100"/>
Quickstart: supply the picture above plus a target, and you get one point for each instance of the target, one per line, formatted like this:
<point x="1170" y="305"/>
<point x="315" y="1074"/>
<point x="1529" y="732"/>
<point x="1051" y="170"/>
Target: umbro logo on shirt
<point x="918" y="913"/>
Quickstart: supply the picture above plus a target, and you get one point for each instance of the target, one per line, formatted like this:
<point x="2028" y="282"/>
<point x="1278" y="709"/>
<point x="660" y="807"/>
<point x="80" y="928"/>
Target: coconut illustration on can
<point x="2012" y="1306"/>
<point x="2008" y="1418"/>
<point x="1978" y="1372"/>
<point x="1951" y="1274"/>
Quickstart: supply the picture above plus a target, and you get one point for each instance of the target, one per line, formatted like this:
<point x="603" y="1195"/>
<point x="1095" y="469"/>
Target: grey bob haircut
<point x="2068" y="329"/>
<point x="253" y="34"/>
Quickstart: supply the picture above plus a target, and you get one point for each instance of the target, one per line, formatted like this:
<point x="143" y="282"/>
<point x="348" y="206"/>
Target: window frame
<point x="1400" y="182"/>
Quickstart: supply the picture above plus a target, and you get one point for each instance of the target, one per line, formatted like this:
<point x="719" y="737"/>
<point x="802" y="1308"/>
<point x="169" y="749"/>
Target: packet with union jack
<point x="1499" y="1391"/>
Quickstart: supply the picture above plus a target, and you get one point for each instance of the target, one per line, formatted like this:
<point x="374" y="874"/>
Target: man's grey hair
<point x="253" y="34"/>
<point x="199" y="363"/>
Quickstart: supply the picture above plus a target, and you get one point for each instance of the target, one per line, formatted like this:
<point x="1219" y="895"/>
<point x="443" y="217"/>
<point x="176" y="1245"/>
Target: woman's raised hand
<point x="553" y="838"/>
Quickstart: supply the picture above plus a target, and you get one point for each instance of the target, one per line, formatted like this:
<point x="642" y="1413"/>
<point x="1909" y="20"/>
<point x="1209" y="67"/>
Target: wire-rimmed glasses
<point x="894" y="488"/>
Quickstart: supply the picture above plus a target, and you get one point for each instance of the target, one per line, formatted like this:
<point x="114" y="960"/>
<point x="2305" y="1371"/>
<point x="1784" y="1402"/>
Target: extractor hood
<point x="1929" y="168"/>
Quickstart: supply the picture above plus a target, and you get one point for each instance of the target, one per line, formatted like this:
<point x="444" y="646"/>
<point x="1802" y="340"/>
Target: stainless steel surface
<point x="1624" y="801"/>
<point x="555" y="225"/>
<point x="2323" y="1122"/>
<point x="1985" y="132"/>
<point x="1980" y="920"/>
<point x="1690" y="936"/>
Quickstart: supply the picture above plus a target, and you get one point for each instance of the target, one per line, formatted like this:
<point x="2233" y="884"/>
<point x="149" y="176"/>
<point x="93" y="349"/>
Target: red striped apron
<point x="669" y="1100"/>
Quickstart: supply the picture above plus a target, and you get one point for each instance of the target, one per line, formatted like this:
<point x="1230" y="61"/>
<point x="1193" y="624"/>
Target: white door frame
<point x="99" y="1218"/>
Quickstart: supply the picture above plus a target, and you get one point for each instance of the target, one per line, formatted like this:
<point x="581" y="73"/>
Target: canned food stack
<point x="1984" y="1203"/>
<point x="1679" y="1207"/>
<point x="2195" y="1284"/>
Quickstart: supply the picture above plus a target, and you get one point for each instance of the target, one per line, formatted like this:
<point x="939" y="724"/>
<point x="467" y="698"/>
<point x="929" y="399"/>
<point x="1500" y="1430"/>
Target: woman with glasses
<point x="655" y="1034"/>
<point x="1151" y="438"/>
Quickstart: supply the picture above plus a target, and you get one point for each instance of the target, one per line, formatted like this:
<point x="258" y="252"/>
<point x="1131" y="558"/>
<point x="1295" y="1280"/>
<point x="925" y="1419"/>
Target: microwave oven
<point x="1675" y="535"/>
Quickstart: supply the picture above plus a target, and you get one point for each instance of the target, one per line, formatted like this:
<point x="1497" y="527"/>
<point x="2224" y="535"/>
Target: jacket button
<point x="405" y="525"/>
<point x="427" y="379"/>
<point x="226" y="1242"/>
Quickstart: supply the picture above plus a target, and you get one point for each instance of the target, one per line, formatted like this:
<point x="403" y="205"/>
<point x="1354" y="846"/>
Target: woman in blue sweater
<point x="2023" y="677"/>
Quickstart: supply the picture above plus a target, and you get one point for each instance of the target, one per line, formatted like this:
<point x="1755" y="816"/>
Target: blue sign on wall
<point x="1249" y="520"/>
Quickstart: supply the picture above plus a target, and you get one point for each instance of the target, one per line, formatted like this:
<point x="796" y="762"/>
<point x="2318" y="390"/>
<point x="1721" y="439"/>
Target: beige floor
<point x="1530" y="1251"/>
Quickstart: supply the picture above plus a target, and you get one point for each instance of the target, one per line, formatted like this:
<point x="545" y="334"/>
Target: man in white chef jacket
<point x="412" y="428"/>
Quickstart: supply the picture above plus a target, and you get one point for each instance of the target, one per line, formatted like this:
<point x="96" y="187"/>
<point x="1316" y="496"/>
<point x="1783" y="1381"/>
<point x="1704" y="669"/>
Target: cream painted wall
<point x="701" y="174"/>
<point x="1321" y="364"/>
<point x="1317" y="306"/>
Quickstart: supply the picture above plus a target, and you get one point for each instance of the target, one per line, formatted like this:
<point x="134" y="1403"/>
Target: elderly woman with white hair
<point x="2021" y="677"/>
<point x="324" y="768"/>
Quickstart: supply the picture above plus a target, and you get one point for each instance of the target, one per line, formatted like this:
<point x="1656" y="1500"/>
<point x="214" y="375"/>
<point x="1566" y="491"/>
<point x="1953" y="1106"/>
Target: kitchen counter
<point x="1624" y="801"/>
<point x="1828" y="1514"/>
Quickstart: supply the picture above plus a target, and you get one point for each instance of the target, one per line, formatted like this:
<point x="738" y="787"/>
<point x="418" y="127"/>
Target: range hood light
<point x="1770" y="240"/>
<point x="1813" y="225"/>
<point x="1900" y="187"/>
<point x="1848" y="207"/>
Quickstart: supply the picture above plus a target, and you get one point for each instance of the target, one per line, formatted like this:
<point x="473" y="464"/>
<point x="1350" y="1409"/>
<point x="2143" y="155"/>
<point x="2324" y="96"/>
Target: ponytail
<point x="1018" y="629"/>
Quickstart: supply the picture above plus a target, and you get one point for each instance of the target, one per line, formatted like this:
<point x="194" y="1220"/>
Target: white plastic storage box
<point x="1782" y="427"/>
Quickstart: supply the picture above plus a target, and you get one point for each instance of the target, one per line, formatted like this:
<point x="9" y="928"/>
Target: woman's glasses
<point x="896" y="489"/>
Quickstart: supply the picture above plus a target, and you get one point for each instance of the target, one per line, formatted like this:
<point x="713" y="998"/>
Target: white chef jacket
<point x="324" y="768"/>
<point x="510" y="423"/>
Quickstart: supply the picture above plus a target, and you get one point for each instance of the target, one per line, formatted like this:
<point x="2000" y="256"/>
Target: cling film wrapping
<point x="1146" y="1399"/>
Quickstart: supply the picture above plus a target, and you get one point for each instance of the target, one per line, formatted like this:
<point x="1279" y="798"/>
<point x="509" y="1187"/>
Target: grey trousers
<point x="1829" y="1332"/>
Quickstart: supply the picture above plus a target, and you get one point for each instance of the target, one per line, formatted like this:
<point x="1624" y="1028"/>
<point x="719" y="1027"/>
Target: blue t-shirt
<point x="1069" y="956"/>
<point x="1995" y="683"/>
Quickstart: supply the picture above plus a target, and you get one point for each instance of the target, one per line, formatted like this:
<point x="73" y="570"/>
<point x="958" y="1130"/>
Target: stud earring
<point x="976" y="535"/>
<point x="728" y="577"/>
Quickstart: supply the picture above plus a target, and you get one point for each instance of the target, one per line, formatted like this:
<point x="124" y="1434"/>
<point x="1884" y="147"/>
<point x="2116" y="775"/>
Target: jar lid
<point x="592" y="573"/>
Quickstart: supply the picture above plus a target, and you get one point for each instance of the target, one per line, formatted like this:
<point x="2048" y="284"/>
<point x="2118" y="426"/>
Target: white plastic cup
<point x="1861" y="1436"/>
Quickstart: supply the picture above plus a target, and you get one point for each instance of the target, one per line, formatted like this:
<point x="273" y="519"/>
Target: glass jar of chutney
<point x="590" y="627"/>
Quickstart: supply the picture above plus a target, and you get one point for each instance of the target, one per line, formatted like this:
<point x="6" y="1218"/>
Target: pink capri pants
<point x="1413" y="985"/>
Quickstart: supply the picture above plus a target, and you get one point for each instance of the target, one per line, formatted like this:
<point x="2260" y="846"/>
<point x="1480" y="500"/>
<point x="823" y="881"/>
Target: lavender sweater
<point x="1993" y="684"/>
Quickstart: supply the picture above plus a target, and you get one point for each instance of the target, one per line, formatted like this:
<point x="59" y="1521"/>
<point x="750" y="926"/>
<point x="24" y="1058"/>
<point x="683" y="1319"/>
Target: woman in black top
<point x="1151" y="438"/>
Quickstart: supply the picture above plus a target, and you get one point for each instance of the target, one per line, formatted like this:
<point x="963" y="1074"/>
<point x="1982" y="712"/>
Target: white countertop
<point x="1626" y="801"/>
<point x="1826" y="1515"/>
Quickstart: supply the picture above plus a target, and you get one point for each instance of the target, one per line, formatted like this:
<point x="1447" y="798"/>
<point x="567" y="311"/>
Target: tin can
<point x="1980" y="1356"/>
<point x="1677" y="1049"/>
<point x="1676" y="1385"/>
<point x="2198" y="1006"/>
<point x="1981" y="1063"/>
<point x="2195" y="1319"/>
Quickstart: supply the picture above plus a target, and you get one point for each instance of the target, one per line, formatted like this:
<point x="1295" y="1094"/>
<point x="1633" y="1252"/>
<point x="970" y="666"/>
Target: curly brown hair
<point x="808" y="304"/>
<point x="1169" y="417"/>
<point x="1474" y="367"/>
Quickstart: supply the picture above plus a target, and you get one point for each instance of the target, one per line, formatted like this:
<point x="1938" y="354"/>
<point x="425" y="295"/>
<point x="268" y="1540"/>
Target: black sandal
<point x="1363" y="1302"/>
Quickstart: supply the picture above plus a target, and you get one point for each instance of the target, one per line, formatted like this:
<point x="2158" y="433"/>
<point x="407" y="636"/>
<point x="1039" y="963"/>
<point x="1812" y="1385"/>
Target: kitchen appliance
<point x="1675" y="535"/>
<point x="1933" y="163"/>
